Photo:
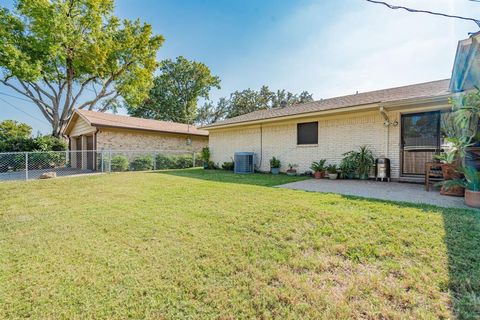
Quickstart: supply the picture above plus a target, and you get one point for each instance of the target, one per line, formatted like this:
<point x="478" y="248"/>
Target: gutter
<point x="441" y="100"/>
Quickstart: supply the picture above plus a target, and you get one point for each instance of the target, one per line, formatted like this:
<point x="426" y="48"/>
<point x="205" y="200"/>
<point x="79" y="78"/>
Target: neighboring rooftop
<point x="416" y="91"/>
<point x="102" y="119"/>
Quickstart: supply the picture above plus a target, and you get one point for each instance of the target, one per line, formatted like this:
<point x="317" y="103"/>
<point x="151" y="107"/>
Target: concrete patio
<point x="393" y="191"/>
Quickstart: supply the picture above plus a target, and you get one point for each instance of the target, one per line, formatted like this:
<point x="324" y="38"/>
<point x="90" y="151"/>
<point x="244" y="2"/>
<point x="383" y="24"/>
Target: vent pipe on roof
<point x="283" y="104"/>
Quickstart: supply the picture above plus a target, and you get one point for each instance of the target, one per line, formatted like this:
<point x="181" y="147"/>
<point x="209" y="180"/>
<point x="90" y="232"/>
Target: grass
<point x="213" y="245"/>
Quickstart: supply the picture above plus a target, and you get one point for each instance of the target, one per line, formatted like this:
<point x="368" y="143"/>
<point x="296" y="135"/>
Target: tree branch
<point x="425" y="11"/>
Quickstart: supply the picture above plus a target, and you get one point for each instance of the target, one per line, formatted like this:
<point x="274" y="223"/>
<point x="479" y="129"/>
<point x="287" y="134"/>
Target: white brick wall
<point x="337" y="135"/>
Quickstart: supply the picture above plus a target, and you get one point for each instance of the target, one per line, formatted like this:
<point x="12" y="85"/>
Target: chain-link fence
<point x="36" y="165"/>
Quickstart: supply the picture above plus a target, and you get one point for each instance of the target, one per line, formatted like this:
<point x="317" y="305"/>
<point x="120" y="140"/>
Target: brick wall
<point x="138" y="140"/>
<point x="337" y="135"/>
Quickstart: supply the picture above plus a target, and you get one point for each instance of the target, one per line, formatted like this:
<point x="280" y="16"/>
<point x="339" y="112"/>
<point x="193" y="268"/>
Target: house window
<point x="307" y="133"/>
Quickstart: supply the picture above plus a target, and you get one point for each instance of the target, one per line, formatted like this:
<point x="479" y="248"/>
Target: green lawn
<point x="200" y="244"/>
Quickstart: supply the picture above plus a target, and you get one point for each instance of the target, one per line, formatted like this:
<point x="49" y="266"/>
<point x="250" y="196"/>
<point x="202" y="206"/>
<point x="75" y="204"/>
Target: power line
<point x="19" y="98"/>
<point x="426" y="11"/>
<point x="26" y="113"/>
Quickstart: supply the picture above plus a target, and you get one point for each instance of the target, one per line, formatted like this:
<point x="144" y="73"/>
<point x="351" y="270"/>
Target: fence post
<point x="26" y="165"/>
<point x="110" y="161"/>
<point x="193" y="160"/>
<point x="102" y="160"/>
<point x="154" y="161"/>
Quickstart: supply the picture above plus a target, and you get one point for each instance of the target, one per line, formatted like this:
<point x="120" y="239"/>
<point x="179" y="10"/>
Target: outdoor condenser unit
<point x="244" y="162"/>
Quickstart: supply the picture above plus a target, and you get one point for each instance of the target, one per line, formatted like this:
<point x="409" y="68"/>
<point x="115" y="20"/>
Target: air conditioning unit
<point x="244" y="162"/>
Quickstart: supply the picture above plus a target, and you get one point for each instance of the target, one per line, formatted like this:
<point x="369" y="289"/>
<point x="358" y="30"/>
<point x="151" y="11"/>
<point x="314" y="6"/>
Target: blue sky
<point x="327" y="47"/>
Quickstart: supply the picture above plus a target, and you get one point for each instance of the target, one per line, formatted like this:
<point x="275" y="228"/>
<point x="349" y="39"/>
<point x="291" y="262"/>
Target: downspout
<point x="261" y="147"/>
<point x="387" y="123"/>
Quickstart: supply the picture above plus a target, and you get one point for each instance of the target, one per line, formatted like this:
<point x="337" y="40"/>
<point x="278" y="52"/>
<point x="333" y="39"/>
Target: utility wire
<point x="426" y="11"/>
<point x="19" y="98"/>
<point x="26" y="113"/>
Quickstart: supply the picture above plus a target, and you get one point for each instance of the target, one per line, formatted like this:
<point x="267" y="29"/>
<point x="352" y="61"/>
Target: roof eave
<point x="99" y="125"/>
<point x="442" y="99"/>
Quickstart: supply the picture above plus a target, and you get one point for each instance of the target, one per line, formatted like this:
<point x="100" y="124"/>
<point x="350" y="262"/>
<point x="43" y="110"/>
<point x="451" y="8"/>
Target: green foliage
<point x="176" y="91"/>
<point x="230" y="166"/>
<point x="318" y="166"/>
<point x="466" y="110"/>
<point x="51" y="50"/>
<point x="332" y="168"/>
<point x="50" y="143"/>
<point x="246" y="101"/>
<point x="362" y="159"/>
<point x="205" y="154"/>
<point x="11" y="129"/>
<point x="471" y="180"/>
<point x="119" y="163"/>
<point x="173" y="162"/>
<point x="142" y="163"/>
<point x="275" y="163"/>
<point x="347" y="167"/>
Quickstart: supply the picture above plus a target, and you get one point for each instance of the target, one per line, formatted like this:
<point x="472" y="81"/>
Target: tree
<point x="11" y="129"/>
<point x="246" y="101"/>
<point x="176" y="91"/>
<point x="53" y="51"/>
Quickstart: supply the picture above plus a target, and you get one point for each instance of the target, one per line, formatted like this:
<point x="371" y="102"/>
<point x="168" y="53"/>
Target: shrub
<point x="183" y="162"/>
<point x="142" y="163"/>
<point x="119" y="163"/>
<point x="228" y="166"/>
<point x="164" y="162"/>
<point x="173" y="162"/>
<point x="274" y="163"/>
<point x="205" y="154"/>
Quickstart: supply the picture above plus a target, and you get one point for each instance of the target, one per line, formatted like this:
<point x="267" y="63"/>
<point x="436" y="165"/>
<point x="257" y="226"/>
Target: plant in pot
<point x="291" y="171"/>
<point x="318" y="168"/>
<point x="363" y="160"/>
<point x="205" y="155"/>
<point x="274" y="166"/>
<point x="471" y="183"/>
<point x="348" y="167"/>
<point x="450" y="163"/>
<point x="332" y="171"/>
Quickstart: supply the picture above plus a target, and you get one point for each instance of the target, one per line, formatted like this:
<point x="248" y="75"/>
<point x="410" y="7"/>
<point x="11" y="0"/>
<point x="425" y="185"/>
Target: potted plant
<point x="291" y="171"/>
<point x="347" y="167"/>
<point x="318" y="168"/>
<point x="364" y="161"/>
<point x="332" y="170"/>
<point x="274" y="166"/>
<point x="205" y="155"/>
<point x="471" y="183"/>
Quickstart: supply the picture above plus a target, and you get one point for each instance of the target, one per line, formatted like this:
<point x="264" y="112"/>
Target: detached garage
<point x="90" y="130"/>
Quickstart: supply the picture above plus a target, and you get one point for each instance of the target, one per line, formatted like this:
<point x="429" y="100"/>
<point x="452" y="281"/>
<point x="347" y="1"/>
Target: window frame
<point x="298" y="134"/>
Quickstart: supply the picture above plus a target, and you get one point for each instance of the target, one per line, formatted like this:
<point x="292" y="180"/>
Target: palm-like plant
<point x="318" y="166"/>
<point x="365" y="161"/>
<point x="470" y="182"/>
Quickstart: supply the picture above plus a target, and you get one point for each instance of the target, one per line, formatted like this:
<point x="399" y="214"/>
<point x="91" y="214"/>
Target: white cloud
<point x="340" y="47"/>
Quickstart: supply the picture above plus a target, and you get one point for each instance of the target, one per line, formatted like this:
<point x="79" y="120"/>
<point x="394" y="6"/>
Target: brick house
<point x="403" y="124"/>
<point x="90" y="130"/>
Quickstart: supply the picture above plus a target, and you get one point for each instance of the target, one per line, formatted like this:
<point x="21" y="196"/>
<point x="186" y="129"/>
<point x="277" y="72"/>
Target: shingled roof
<point x="416" y="91"/>
<point x="102" y="119"/>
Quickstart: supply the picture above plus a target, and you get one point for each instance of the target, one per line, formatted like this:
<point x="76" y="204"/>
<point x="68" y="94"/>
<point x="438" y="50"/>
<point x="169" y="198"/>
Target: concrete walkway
<point x="393" y="191"/>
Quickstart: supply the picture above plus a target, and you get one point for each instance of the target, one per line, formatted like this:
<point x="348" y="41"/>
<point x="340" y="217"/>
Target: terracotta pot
<point x="319" y="174"/>
<point x="472" y="198"/>
<point x="450" y="172"/>
<point x="453" y="191"/>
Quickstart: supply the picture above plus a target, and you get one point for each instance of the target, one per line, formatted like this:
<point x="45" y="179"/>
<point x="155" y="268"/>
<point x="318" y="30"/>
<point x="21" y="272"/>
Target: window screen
<point x="307" y="133"/>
